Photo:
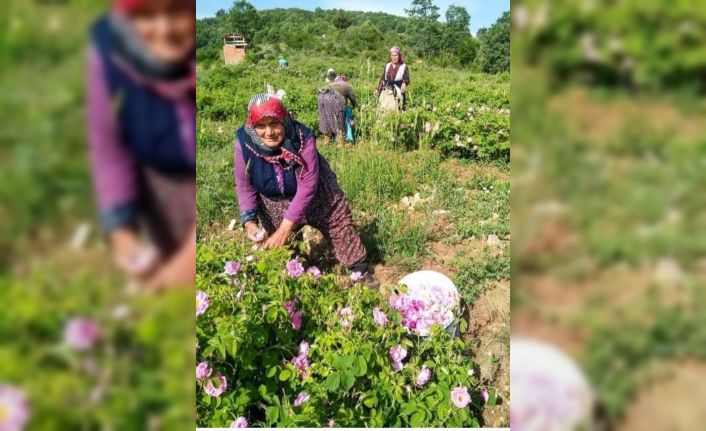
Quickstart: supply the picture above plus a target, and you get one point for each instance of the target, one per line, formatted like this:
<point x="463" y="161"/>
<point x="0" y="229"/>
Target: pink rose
<point x="81" y="334"/>
<point x="379" y="317"/>
<point x="214" y="391"/>
<point x="460" y="397"/>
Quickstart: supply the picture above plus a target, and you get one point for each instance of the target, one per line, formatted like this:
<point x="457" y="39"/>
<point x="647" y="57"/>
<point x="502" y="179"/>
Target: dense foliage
<point x="358" y="34"/>
<point x="279" y="346"/>
<point x="631" y="44"/>
<point x="461" y="114"/>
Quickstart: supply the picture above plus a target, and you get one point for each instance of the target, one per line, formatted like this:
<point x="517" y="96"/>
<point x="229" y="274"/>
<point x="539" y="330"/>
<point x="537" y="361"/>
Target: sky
<point x="483" y="12"/>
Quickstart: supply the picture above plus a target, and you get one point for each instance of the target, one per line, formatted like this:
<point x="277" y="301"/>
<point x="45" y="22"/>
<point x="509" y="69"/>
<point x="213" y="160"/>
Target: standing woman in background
<point x="332" y="102"/>
<point x="396" y="74"/>
<point x="141" y="132"/>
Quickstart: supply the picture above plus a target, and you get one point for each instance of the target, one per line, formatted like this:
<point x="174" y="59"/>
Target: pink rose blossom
<point x="289" y="305"/>
<point x="485" y="396"/>
<point x="214" y="391"/>
<point x="357" y="276"/>
<point x="379" y="317"/>
<point x="241" y="422"/>
<point x="203" y="370"/>
<point x="423" y="376"/>
<point x="397" y="354"/>
<point x="81" y="334"/>
<point x="303" y="348"/>
<point x="314" y="271"/>
<point x="347" y="317"/>
<point x="297" y="320"/>
<point x="301" y="399"/>
<point x="460" y="397"/>
<point x="202" y="302"/>
<point x="14" y="409"/>
<point x="395" y="301"/>
<point x="232" y="268"/>
<point x="294" y="268"/>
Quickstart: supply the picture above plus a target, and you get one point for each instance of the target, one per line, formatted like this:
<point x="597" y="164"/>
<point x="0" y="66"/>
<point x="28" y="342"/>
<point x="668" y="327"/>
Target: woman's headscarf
<point x="264" y="105"/>
<point x="396" y="49"/>
<point x="132" y="6"/>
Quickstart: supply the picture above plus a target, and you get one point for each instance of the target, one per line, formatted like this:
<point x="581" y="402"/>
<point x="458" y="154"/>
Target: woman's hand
<point x="279" y="238"/>
<point x="254" y="233"/>
<point x="404" y="87"/>
<point x="131" y="254"/>
<point x="180" y="269"/>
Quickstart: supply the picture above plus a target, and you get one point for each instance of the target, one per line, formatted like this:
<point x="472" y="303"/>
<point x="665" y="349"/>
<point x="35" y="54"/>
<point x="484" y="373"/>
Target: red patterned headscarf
<point x="132" y="6"/>
<point x="265" y="105"/>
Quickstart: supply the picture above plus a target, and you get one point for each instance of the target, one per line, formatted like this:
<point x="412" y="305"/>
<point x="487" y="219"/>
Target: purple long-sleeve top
<point x="115" y="171"/>
<point x="307" y="182"/>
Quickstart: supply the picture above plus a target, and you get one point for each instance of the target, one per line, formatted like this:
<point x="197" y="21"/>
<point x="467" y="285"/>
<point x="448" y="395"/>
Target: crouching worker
<point x="283" y="182"/>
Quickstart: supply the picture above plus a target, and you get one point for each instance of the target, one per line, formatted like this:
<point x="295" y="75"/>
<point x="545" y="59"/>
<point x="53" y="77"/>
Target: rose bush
<point x="348" y="360"/>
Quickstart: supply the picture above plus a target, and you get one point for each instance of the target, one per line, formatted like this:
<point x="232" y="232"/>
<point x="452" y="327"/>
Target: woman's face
<point x="167" y="27"/>
<point x="270" y="131"/>
<point x="395" y="57"/>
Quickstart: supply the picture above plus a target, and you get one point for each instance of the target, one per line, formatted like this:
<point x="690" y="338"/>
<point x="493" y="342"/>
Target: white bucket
<point x="417" y="282"/>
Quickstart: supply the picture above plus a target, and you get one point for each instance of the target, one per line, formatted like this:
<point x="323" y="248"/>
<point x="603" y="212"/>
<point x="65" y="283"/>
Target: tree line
<point x="336" y="32"/>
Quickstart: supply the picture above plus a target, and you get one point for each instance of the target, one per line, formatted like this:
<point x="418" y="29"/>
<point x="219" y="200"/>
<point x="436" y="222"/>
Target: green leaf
<point x="271" y="372"/>
<point x="360" y="367"/>
<point x="333" y="381"/>
<point x="343" y="363"/>
<point x="370" y="402"/>
<point x="408" y="408"/>
<point x="272" y="414"/>
<point x="285" y="375"/>
<point x="261" y="267"/>
<point x="271" y="315"/>
<point x="418" y="419"/>
<point x="348" y="380"/>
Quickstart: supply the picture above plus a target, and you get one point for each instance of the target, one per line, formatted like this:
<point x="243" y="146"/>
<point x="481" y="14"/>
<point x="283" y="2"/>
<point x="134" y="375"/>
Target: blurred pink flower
<point x="423" y="376"/>
<point x="214" y="391"/>
<point x="289" y="305"/>
<point x="397" y="354"/>
<point x="485" y="396"/>
<point x="241" y="422"/>
<point x="314" y="271"/>
<point x="347" y="317"/>
<point x="81" y="334"/>
<point x="201" y="302"/>
<point x="303" y="348"/>
<point x="294" y="268"/>
<point x="301" y="399"/>
<point x="296" y="320"/>
<point x="203" y="370"/>
<point x="14" y="410"/>
<point x="232" y="268"/>
<point x="330" y="423"/>
<point x="379" y="317"/>
<point x="395" y="301"/>
<point x="460" y="397"/>
<point x="357" y="276"/>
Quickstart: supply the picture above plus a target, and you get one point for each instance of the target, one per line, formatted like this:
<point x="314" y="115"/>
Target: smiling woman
<point x="282" y="180"/>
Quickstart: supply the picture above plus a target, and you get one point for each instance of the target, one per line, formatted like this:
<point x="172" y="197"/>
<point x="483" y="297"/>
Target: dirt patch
<point x="599" y="121"/>
<point x="488" y="335"/>
<point x="463" y="172"/>
<point x="674" y="403"/>
<point x="388" y="274"/>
